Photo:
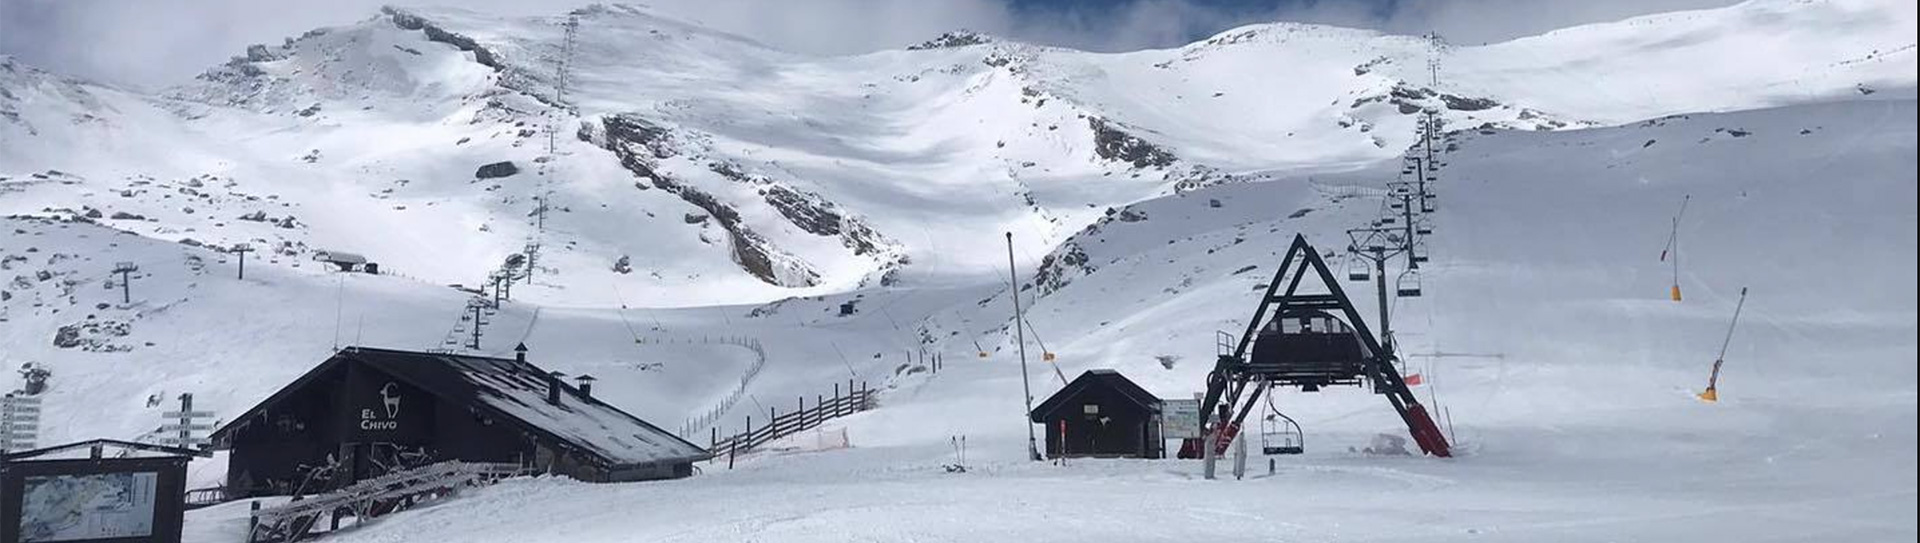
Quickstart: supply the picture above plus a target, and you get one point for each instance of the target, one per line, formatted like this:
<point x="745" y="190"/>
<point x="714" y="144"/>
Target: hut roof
<point x="1103" y="378"/>
<point x="515" y="391"/>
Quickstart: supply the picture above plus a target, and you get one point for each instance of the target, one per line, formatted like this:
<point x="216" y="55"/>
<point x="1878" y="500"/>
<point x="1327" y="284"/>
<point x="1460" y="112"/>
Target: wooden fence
<point x="711" y="417"/>
<point x="801" y="418"/>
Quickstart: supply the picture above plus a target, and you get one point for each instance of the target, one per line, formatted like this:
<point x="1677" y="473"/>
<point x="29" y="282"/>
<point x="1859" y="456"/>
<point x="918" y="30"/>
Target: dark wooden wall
<point x="1127" y="431"/>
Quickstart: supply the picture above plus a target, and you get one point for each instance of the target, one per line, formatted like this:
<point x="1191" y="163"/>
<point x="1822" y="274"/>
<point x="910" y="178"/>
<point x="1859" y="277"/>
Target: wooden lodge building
<point x="1101" y="414"/>
<point x="365" y="412"/>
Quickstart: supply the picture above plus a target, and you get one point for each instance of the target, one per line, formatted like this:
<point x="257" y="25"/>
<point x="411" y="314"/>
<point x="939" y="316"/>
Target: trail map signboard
<point x="87" y="507"/>
<point x="1180" y="419"/>
<point x="93" y="500"/>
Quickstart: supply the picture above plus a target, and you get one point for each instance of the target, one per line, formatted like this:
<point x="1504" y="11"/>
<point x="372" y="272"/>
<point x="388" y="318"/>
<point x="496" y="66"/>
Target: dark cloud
<point x="148" y="43"/>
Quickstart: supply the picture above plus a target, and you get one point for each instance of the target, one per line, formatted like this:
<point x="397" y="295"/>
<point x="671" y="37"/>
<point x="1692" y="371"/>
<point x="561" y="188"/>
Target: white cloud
<point x="151" y="43"/>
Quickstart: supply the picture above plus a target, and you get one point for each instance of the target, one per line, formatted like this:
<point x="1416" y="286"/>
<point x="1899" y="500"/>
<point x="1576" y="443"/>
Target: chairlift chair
<point x="1356" y="269"/>
<point x="1409" y="284"/>
<point x="1423" y="229"/>
<point x="1426" y="206"/>
<point x="1279" y="434"/>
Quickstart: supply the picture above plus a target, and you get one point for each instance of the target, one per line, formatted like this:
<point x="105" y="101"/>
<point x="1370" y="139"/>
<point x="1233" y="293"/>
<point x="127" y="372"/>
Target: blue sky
<point x="152" y="43"/>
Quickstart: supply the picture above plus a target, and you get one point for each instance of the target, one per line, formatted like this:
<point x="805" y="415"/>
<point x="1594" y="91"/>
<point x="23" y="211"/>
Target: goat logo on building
<point x="390" y="401"/>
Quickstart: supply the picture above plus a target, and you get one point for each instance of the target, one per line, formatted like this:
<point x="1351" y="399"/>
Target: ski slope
<point x="1575" y="421"/>
<point x="770" y="174"/>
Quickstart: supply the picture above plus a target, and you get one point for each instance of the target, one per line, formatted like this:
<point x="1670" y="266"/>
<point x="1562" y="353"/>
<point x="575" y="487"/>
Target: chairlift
<point x="1409" y="284"/>
<point x="1279" y="434"/>
<point x="1357" y="270"/>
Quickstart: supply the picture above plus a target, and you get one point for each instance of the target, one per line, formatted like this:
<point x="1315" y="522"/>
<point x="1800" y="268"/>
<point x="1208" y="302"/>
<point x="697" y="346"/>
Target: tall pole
<point x="125" y="269"/>
<point x="243" y="249"/>
<point x="1406" y="214"/>
<point x="530" y="250"/>
<point x="186" y="420"/>
<point x="1380" y="285"/>
<point x="476" y="326"/>
<point x="1020" y="333"/>
<point x="1420" y="168"/>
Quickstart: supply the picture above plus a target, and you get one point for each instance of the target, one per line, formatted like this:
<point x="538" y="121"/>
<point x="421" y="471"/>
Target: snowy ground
<point x="1545" y="334"/>
<point x="1584" y="428"/>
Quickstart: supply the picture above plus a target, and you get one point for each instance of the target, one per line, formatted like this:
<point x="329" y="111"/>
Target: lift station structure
<point x="1309" y="340"/>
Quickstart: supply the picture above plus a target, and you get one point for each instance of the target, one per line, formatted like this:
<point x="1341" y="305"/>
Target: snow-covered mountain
<point x="702" y="186"/>
<point x="726" y="171"/>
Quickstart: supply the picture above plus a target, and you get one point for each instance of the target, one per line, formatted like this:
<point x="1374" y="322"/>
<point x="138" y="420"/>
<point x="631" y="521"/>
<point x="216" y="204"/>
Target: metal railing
<point x="371" y="498"/>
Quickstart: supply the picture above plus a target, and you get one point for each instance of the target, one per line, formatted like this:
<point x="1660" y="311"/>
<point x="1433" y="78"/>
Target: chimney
<point x="585" y="382"/>
<point x="553" y="387"/>
<point x="520" y="353"/>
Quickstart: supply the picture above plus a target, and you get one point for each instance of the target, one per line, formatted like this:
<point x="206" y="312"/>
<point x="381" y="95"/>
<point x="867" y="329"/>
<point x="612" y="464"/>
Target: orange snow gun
<point x="1712" y="393"/>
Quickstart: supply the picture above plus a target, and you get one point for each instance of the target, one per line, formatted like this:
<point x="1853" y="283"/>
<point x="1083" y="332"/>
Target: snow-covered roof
<point x="123" y="449"/>
<point x="516" y="392"/>
<point x="339" y="256"/>
<point x="1106" y="378"/>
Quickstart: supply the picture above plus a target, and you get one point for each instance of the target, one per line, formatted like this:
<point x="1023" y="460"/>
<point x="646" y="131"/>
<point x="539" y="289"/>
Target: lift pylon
<point x="1227" y="383"/>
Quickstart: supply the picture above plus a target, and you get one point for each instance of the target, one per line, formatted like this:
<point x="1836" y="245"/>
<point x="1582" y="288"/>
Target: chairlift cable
<point x="622" y="311"/>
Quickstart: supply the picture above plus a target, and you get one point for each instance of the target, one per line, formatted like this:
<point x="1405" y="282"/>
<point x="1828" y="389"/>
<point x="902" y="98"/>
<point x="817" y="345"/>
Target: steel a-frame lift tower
<point x="1228" y="382"/>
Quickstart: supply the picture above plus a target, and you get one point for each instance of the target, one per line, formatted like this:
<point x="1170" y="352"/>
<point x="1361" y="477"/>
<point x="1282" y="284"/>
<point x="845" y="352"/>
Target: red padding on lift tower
<point x="1426" y="433"/>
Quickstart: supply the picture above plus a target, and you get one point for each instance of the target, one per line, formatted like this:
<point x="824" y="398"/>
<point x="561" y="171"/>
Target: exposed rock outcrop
<point x="641" y="144"/>
<point x="1112" y="143"/>
<point x="958" y="38"/>
<point x="504" y="168"/>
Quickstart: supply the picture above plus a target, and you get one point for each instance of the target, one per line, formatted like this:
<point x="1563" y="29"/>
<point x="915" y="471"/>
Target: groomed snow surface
<point x="1578" y="422"/>
<point x="1545" y="337"/>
